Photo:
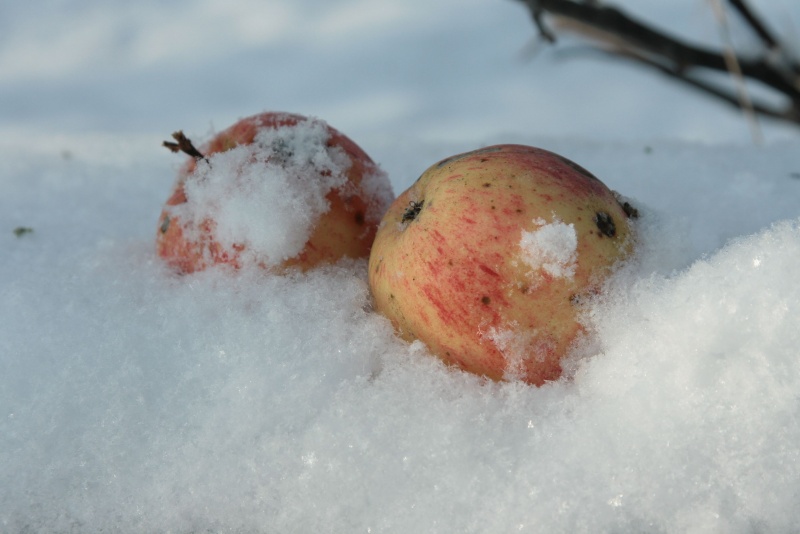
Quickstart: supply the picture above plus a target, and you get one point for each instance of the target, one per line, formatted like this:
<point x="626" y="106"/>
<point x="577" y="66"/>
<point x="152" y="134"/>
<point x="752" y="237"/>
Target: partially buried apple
<point x="276" y="190"/>
<point x="486" y="259"/>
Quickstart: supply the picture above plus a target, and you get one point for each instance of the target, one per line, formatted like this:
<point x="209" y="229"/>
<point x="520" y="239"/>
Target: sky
<point x="133" y="398"/>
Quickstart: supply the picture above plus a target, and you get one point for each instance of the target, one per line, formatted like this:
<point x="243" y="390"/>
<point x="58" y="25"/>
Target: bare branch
<point x="745" y="102"/>
<point x="714" y="91"/>
<point x="756" y="23"/>
<point x="625" y="36"/>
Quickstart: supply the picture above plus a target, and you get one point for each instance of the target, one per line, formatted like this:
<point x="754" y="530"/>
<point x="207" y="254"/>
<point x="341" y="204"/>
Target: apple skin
<point x="447" y="266"/>
<point x="347" y="229"/>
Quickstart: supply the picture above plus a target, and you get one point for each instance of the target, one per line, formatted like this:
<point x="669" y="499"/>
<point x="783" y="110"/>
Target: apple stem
<point x="184" y="145"/>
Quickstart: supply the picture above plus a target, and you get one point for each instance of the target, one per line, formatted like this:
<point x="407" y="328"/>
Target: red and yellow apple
<point x="486" y="257"/>
<point x="276" y="189"/>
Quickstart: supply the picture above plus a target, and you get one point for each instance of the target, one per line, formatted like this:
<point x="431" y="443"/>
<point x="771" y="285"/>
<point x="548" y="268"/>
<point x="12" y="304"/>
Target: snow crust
<point x="136" y="400"/>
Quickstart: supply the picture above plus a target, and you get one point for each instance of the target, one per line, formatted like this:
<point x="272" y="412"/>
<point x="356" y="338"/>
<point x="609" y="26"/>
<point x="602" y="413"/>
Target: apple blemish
<point x="605" y="224"/>
<point x="630" y="211"/>
<point x="412" y="211"/>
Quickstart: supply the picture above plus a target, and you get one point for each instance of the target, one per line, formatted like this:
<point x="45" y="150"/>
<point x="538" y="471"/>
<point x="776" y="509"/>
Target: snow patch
<point x="267" y="196"/>
<point x="552" y="248"/>
<point x="517" y="346"/>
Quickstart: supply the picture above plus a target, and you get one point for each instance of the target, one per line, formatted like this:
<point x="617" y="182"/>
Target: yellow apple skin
<point x="447" y="266"/>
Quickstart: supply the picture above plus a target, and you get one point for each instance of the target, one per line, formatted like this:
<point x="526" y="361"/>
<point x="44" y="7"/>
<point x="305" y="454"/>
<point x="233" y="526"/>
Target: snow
<point x="136" y="399"/>
<point x="551" y="248"/>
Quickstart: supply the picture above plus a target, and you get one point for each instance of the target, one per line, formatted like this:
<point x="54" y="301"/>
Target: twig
<point x="711" y="90"/>
<point x="755" y="23"/>
<point x="625" y="36"/>
<point x="184" y="145"/>
<point x="745" y="102"/>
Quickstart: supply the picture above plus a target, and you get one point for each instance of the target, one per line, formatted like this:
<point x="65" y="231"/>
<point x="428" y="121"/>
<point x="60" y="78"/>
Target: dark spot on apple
<point x="630" y="211"/>
<point x="524" y="289"/>
<point x="583" y="298"/>
<point x="359" y="218"/>
<point x="165" y="225"/>
<point x="412" y="211"/>
<point x="487" y="184"/>
<point x="605" y="224"/>
<point x="486" y="300"/>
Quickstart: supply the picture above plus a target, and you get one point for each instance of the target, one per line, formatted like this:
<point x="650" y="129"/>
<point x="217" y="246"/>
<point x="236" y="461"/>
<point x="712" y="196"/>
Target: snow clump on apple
<point x="275" y="190"/>
<point x="553" y="248"/>
<point x="279" y="181"/>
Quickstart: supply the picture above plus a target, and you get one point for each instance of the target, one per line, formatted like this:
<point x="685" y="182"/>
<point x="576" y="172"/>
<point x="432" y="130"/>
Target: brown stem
<point x="184" y="145"/>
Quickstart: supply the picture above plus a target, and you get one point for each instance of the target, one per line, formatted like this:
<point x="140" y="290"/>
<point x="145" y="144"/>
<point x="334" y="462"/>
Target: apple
<point x="487" y="257"/>
<point x="276" y="190"/>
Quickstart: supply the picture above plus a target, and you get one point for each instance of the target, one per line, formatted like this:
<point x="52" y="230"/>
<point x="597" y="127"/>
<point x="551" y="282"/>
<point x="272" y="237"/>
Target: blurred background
<point x="379" y="70"/>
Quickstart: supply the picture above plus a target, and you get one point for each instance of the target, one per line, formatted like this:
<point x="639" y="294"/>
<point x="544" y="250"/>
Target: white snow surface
<point x="133" y="399"/>
<point x="137" y="399"/>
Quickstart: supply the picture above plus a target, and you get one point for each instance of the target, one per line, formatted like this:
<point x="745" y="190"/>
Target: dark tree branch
<point x="544" y="31"/>
<point x="627" y="37"/>
<point x="715" y="91"/>
<point x="756" y="23"/>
